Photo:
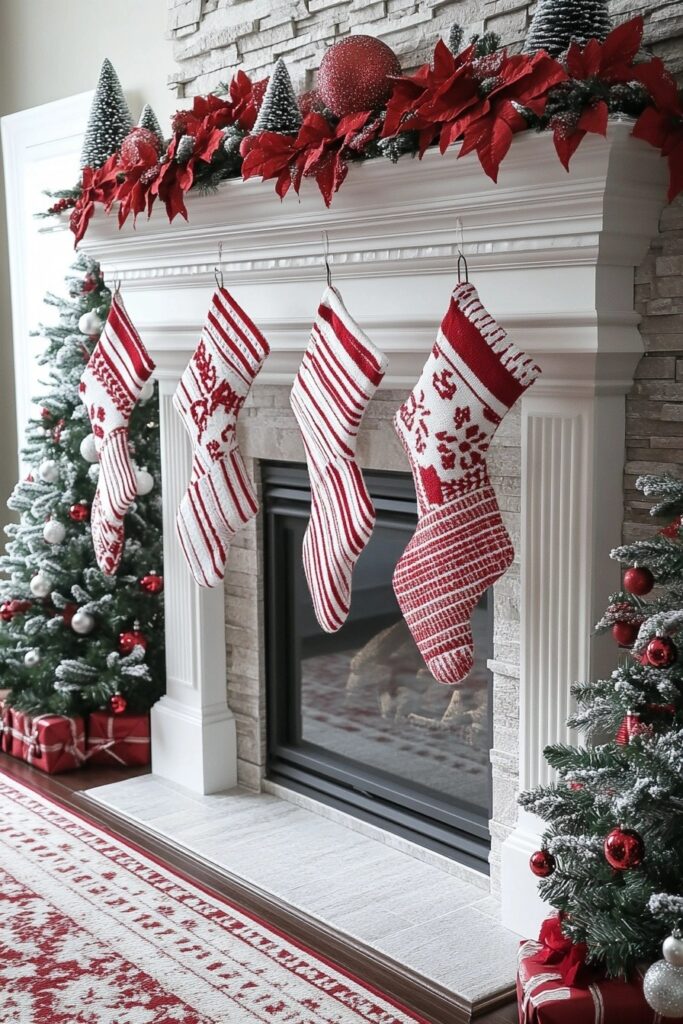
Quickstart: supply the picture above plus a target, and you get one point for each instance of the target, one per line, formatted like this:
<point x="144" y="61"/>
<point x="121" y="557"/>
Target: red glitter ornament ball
<point x="118" y="703"/>
<point x="542" y="863"/>
<point x="354" y="75"/>
<point x="19" y="607"/>
<point x="80" y="512"/>
<point x="140" y="146"/>
<point x="625" y="633"/>
<point x="661" y="652"/>
<point x="130" y="639"/>
<point x="631" y="726"/>
<point x="310" y="102"/>
<point x="152" y="583"/>
<point x="638" y="581"/>
<point x="624" y="849"/>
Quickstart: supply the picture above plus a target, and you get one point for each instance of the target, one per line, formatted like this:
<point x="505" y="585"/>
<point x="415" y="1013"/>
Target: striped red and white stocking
<point x="220" y="498"/>
<point x="339" y="374"/>
<point x="473" y="376"/>
<point x="109" y="388"/>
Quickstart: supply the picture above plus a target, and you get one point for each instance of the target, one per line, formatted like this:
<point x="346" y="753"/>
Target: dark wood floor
<point x="437" y="1005"/>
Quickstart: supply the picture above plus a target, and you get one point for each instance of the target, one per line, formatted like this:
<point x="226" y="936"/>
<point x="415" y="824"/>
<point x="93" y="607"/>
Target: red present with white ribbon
<point x="5" y="723"/>
<point x="122" y="740"/>
<point x="53" y="743"/>
<point x="545" y="997"/>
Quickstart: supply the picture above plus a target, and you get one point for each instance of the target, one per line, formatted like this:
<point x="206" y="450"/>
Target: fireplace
<point x="354" y="717"/>
<point x="554" y="263"/>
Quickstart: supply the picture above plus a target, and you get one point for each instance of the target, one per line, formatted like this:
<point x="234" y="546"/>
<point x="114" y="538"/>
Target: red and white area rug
<point x="92" y="931"/>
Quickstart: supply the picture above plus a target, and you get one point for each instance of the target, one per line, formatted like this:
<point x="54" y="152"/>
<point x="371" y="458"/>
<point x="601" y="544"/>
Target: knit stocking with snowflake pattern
<point x="220" y="498"/>
<point x="472" y="377"/>
<point x="110" y="387"/>
<point x="339" y="374"/>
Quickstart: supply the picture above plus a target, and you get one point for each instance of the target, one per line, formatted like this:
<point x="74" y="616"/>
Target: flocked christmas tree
<point x="150" y="121"/>
<point x="71" y="639"/>
<point x="612" y="857"/>
<point x="109" y="121"/>
<point x="557" y="22"/>
<point x="279" y="111"/>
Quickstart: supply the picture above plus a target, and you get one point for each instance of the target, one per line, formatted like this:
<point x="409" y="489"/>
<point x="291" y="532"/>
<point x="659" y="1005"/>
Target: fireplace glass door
<point x="354" y="717"/>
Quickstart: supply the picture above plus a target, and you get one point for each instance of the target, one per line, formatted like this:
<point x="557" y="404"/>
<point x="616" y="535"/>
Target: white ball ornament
<point x="90" y="324"/>
<point x="147" y="390"/>
<point x="673" y="949"/>
<point x="663" y="989"/>
<point x="54" y="532"/>
<point x="40" y="585"/>
<point x="88" y="448"/>
<point x="82" y="622"/>
<point x="32" y="658"/>
<point x="48" y="471"/>
<point x="144" y="481"/>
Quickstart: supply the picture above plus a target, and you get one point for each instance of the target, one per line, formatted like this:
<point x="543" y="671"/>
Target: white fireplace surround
<point x="553" y="258"/>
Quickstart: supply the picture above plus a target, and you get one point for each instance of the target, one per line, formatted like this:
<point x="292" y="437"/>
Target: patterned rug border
<point x="103" y="834"/>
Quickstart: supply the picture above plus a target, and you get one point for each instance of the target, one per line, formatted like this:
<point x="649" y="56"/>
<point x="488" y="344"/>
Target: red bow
<point x="566" y="957"/>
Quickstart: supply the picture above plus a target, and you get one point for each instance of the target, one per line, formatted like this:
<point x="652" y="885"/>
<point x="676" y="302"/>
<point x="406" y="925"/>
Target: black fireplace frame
<point x="411" y="811"/>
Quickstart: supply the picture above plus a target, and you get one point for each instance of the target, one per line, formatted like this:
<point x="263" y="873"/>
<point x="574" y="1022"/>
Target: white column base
<point x="522" y="908"/>
<point x="195" y="747"/>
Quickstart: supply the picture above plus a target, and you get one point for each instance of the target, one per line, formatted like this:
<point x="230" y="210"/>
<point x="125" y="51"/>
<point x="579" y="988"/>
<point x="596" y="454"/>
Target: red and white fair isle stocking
<point x="473" y="376"/>
<point x="220" y="498"/>
<point x="339" y="374"/>
<point x="110" y="387"/>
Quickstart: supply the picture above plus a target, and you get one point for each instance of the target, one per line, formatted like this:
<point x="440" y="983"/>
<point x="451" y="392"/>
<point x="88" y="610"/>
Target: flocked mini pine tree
<point x="557" y="22"/>
<point x="612" y="857"/>
<point x="150" y="121"/>
<point x="279" y="111"/>
<point x="109" y="121"/>
<point x="68" y="635"/>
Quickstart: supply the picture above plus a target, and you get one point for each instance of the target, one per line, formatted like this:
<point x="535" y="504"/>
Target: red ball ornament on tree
<point x="130" y="639"/>
<point x="45" y="413"/>
<point x="118" y="703"/>
<point x="661" y="652"/>
<point x="68" y="613"/>
<point x="625" y="633"/>
<point x="80" y="512"/>
<point x="542" y="863"/>
<point x="355" y="75"/>
<point x="673" y="529"/>
<point x="624" y="849"/>
<point x="152" y="583"/>
<point x="631" y="726"/>
<point x="6" y="613"/>
<point x="638" y="581"/>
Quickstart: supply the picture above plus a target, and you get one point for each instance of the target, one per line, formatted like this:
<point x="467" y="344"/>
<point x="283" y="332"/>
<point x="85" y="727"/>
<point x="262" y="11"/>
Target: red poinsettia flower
<point x="567" y="957"/>
<point x="139" y="162"/>
<point x="98" y="185"/>
<point x="610" y="61"/>
<point x="662" y="124"/>
<point x="245" y="98"/>
<point x="175" y="179"/>
<point x="319" y="151"/>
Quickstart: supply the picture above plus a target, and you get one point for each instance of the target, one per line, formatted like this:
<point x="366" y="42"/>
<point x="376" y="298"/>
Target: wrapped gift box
<point x="122" y="740"/>
<point x="543" y="997"/>
<point x="53" y="743"/>
<point x="5" y="723"/>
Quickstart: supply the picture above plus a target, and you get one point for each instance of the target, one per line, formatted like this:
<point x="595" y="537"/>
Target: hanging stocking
<point x="339" y="374"/>
<point x="460" y="547"/>
<point x="220" y="498"/>
<point x="110" y="387"/>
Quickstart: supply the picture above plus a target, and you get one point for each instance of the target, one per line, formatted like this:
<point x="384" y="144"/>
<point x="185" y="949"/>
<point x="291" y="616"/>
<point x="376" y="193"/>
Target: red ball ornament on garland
<point x="118" y="703"/>
<point x="140" y="146"/>
<point x="80" y="512"/>
<point x="661" y="652"/>
<point x="624" y="849"/>
<point x="625" y="633"/>
<point x="310" y="102"/>
<point x="152" y="583"/>
<point x="130" y="639"/>
<point x="638" y="581"/>
<point x="542" y="863"/>
<point x="354" y="75"/>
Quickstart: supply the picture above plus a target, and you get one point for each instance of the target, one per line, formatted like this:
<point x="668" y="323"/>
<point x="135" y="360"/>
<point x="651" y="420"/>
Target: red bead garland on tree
<point x="354" y="75"/>
<point x="661" y="652"/>
<point x="625" y="633"/>
<point x="542" y="863"/>
<point x="152" y="583"/>
<point x="130" y="639"/>
<point x="638" y="581"/>
<point x="80" y="512"/>
<point x="118" y="703"/>
<point x="624" y="849"/>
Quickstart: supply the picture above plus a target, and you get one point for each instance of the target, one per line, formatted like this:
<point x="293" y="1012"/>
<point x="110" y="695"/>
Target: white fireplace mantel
<point x="552" y="255"/>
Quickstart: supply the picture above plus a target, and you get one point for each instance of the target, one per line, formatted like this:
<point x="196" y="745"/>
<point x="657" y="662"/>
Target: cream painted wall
<point x="50" y="49"/>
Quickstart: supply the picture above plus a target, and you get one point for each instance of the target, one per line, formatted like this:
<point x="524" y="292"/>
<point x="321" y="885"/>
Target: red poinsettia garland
<point x="480" y="102"/>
